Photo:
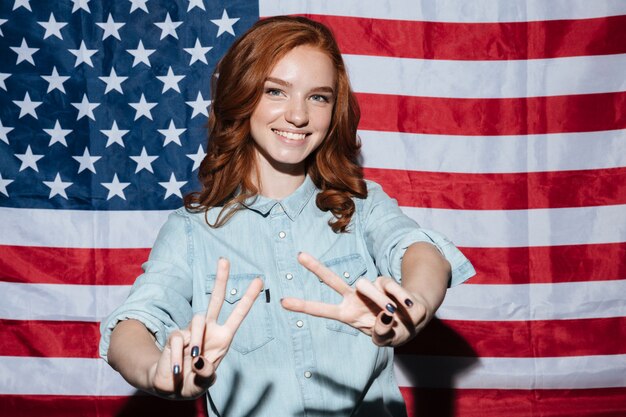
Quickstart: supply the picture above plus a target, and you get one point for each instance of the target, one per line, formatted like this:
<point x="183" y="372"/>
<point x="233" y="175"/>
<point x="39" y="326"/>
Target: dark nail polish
<point x="408" y="302"/>
<point x="386" y="319"/>
<point x="390" y="308"/>
<point x="195" y="351"/>
<point x="176" y="369"/>
<point x="199" y="363"/>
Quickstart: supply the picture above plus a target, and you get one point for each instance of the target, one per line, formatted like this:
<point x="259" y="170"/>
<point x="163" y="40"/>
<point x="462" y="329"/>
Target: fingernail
<point x="176" y="369"/>
<point x="195" y="351"/>
<point x="386" y="319"/>
<point x="408" y="302"/>
<point x="390" y="308"/>
<point x="199" y="363"/>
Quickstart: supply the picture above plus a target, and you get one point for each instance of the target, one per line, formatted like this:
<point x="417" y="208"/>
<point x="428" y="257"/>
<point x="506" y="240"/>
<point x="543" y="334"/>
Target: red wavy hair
<point x="226" y="173"/>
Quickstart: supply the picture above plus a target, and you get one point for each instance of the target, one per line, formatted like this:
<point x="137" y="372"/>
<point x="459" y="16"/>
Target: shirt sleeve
<point x="160" y="298"/>
<point x="389" y="232"/>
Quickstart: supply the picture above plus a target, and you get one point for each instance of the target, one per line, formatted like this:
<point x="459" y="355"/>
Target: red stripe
<point x="478" y="41"/>
<point x="510" y="191"/>
<point x="64" y="405"/>
<point x="548" y="264"/>
<point x="601" y="402"/>
<point x="520" y="339"/>
<point x="523" y="265"/>
<point x="76" y="266"/>
<point x="493" y="116"/>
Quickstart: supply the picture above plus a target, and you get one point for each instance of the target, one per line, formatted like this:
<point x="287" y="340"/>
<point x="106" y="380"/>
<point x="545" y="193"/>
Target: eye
<point x="321" y="98"/>
<point x="275" y="92"/>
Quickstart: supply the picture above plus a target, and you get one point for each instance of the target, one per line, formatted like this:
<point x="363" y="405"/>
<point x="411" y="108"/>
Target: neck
<point x="276" y="183"/>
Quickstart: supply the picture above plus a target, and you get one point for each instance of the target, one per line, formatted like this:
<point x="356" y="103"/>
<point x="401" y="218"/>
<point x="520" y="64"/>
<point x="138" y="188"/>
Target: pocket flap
<point x="236" y="286"/>
<point x="349" y="268"/>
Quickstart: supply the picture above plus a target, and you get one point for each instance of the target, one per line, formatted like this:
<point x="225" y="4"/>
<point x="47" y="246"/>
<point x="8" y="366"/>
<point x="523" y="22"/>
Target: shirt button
<point x="282" y="235"/>
<point x="289" y="276"/>
<point x="346" y="274"/>
<point x="308" y="374"/>
<point x="299" y="323"/>
<point x="233" y="291"/>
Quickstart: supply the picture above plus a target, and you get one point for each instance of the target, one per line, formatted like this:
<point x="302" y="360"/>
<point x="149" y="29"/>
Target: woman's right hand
<point x="187" y="366"/>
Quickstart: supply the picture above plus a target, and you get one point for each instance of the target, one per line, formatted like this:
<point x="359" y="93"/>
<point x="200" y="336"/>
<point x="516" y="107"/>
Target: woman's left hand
<point x="382" y="309"/>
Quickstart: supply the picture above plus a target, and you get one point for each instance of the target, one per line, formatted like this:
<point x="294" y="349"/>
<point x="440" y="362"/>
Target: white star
<point x="115" y="187"/>
<point x="138" y="4"/>
<point x="24" y="53"/>
<point x="3" y="185"/>
<point x="3" y="76"/>
<point x="4" y="130"/>
<point x="172" y="187"/>
<point x="83" y="54"/>
<point x="55" y="81"/>
<point x="2" y="22"/>
<point x="197" y="157"/>
<point x="85" y="108"/>
<point x="171" y="134"/>
<point x="111" y="28"/>
<point x="22" y="3"/>
<point x="53" y="28"/>
<point x="144" y="161"/>
<point x="225" y="24"/>
<point x="115" y="135"/>
<point x="27" y="106"/>
<point x="141" y="54"/>
<point x="57" y="186"/>
<point x="168" y="27"/>
<point x="29" y="160"/>
<point x="57" y="134"/>
<point x="113" y="81"/>
<point x="198" y="52"/>
<point x="142" y="108"/>
<point x="200" y="105"/>
<point x="86" y="161"/>
<point x="81" y="4"/>
<point x="195" y="3"/>
<point x="170" y="80"/>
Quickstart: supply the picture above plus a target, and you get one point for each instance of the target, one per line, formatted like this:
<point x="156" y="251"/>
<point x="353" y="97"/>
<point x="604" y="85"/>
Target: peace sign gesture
<point x="190" y="359"/>
<point x="382" y="309"/>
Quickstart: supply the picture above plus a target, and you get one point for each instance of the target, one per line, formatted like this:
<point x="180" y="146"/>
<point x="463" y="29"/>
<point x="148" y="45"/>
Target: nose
<point x="297" y="113"/>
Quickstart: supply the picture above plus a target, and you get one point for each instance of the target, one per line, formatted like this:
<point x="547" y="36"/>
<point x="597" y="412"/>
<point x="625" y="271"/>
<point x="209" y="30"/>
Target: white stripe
<point x="575" y="372"/>
<point x="449" y="10"/>
<point x="77" y="376"/>
<point x="521" y="228"/>
<point x="487" y="79"/>
<point x="569" y="300"/>
<point x="59" y="302"/>
<point x="80" y="228"/>
<point x="467" y="228"/>
<point x="489" y="154"/>
<point x="578" y="300"/>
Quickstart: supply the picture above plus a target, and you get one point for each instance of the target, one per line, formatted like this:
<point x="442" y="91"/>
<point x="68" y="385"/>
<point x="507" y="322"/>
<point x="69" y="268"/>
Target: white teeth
<point x="290" y="135"/>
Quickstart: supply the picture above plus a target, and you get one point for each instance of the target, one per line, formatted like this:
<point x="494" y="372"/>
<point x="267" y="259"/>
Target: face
<point x="295" y="110"/>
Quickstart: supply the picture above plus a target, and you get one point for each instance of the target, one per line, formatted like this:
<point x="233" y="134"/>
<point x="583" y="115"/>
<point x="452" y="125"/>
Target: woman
<point x="233" y="299"/>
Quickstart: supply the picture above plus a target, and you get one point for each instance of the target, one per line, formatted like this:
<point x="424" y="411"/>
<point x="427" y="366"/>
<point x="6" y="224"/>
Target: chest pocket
<point x="348" y="268"/>
<point x="255" y="330"/>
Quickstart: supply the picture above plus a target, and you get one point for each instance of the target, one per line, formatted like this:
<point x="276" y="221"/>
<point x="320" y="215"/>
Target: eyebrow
<point x="288" y="84"/>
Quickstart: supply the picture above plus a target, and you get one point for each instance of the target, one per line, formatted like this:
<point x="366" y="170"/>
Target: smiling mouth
<point x="290" y="135"/>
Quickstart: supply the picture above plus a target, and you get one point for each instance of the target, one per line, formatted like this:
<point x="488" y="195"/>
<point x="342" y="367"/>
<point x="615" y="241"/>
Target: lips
<point x="290" y="135"/>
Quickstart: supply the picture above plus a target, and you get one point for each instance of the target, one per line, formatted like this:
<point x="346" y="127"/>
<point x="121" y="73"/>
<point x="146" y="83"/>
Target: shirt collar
<point x="292" y="205"/>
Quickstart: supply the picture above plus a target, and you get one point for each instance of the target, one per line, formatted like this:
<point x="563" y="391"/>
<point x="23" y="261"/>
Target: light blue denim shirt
<point x="283" y="363"/>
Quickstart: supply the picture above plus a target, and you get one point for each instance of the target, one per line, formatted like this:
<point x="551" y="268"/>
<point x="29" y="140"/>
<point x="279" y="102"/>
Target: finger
<point x="219" y="290"/>
<point x="244" y="305"/>
<point x="204" y="370"/>
<point x="197" y="326"/>
<point x="383" y="333"/>
<point x="415" y="310"/>
<point x="313" y="308"/>
<point x="365" y="287"/>
<point x="176" y="352"/>
<point x="323" y="273"/>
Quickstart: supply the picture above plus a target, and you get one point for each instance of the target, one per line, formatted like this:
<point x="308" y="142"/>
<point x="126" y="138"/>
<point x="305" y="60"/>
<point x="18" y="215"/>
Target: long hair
<point x="226" y="173"/>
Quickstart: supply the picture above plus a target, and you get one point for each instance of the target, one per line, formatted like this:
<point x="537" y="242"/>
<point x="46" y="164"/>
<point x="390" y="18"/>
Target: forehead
<point x="305" y="63"/>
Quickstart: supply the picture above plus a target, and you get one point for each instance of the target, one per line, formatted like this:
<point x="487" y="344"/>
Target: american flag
<point x="501" y="124"/>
